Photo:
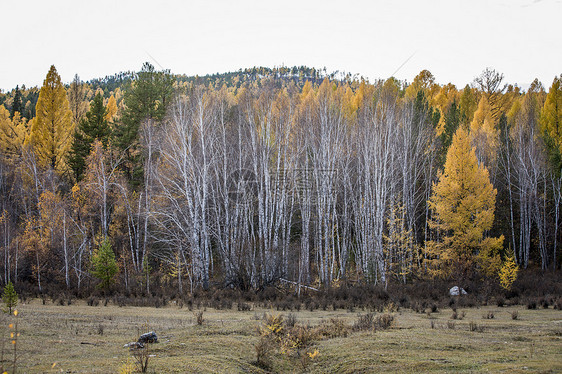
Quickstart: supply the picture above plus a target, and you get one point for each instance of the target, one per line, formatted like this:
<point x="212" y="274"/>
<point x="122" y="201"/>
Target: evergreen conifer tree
<point x="104" y="265"/>
<point x="17" y="105"/>
<point x="93" y="127"/>
<point x="9" y="298"/>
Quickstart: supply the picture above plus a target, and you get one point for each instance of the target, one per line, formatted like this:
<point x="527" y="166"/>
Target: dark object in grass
<point x="149" y="337"/>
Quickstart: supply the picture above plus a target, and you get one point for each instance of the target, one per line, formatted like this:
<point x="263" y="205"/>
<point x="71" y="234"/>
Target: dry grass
<point x="70" y="337"/>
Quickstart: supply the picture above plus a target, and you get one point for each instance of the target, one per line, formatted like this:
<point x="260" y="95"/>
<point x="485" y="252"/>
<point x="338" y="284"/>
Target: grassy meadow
<point x="78" y="338"/>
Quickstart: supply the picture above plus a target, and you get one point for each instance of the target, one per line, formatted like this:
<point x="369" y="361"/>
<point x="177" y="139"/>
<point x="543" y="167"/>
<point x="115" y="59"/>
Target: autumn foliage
<point x="464" y="204"/>
<point x="149" y="180"/>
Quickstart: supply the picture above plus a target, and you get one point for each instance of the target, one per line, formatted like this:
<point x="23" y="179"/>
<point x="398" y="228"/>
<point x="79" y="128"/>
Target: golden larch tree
<point x="551" y="114"/>
<point x="77" y="99"/>
<point x="52" y="128"/>
<point x="12" y="133"/>
<point x="111" y="109"/>
<point x="463" y="202"/>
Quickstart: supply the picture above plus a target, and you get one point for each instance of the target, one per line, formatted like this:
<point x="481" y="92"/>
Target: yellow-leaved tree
<point x="508" y="273"/>
<point x="551" y="114"/>
<point x="463" y="202"/>
<point x="52" y="128"/>
<point x="111" y="109"/>
<point x="12" y="133"/>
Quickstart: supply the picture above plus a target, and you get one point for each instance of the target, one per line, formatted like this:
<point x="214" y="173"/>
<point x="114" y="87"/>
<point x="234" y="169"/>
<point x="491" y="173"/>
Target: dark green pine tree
<point x="452" y="121"/>
<point x="146" y="98"/>
<point x="17" y="105"/>
<point x="423" y="113"/>
<point x="104" y="265"/>
<point x="93" y="126"/>
<point x="9" y="297"/>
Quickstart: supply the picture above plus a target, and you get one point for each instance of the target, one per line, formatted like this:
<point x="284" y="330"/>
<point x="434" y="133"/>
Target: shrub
<point x="384" y="321"/>
<point x="272" y="326"/>
<point x="364" y="322"/>
<point x="297" y="338"/>
<point x="473" y="326"/>
<point x="263" y="350"/>
<point x="307" y="357"/>
<point x="199" y="317"/>
<point x="127" y="368"/>
<point x="335" y="328"/>
<point x="244" y="307"/>
<point x="141" y="356"/>
<point x="391" y="307"/>
<point x="291" y="320"/>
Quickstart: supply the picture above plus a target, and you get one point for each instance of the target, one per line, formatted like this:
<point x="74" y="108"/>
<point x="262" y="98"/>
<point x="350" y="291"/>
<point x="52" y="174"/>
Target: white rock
<point x="456" y="291"/>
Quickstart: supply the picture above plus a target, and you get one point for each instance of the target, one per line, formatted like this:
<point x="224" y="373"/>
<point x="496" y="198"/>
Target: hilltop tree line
<point x="247" y="178"/>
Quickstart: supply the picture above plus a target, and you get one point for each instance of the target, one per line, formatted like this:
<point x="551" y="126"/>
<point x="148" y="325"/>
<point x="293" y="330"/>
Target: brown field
<point x="89" y="339"/>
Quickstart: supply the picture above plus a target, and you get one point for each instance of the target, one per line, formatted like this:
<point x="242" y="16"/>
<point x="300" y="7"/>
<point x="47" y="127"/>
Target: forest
<point x="150" y="180"/>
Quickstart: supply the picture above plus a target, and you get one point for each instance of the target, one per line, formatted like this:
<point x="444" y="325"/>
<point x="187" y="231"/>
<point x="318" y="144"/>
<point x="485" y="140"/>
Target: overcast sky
<point x="454" y="39"/>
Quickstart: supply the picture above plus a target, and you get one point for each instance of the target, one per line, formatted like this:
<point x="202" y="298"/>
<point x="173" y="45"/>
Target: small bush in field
<point x="127" y="368"/>
<point x="291" y="320"/>
<point x="364" y="322"/>
<point x="307" y="357"/>
<point x="272" y="326"/>
<point x="458" y="316"/>
<point x="384" y="321"/>
<point x="473" y="326"/>
<point x="199" y="317"/>
<point x="297" y="338"/>
<point x="244" y="307"/>
<point x="263" y="350"/>
<point x="335" y="328"/>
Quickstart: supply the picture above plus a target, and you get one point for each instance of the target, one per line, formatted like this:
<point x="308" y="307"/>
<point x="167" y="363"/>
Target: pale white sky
<point x="454" y="39"/>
